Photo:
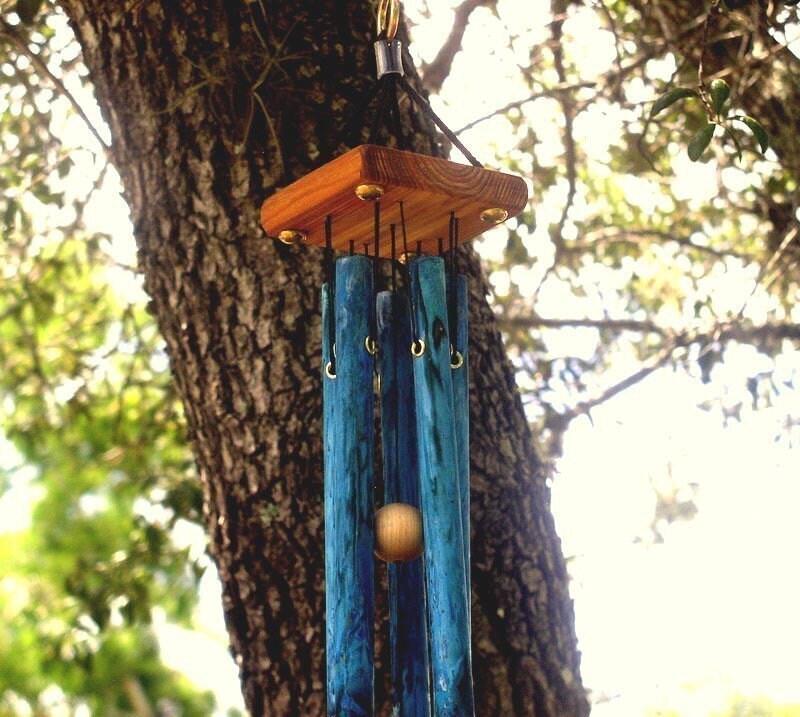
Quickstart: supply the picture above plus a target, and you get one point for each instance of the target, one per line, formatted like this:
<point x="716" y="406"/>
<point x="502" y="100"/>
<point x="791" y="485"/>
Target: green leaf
<point x="670" y="98"/>
<point x="28" y="10"/>
<point x="720" y="92"/>
<point x="758" y="131"/>
<point x="700" y="142"/>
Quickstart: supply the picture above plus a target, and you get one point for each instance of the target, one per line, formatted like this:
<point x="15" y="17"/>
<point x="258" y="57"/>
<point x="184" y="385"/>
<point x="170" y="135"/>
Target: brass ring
<point x="370" y="345"/>
<point x="417" y="347"/>
<point x="388" y="18"/>
<point x="456" y="358"/>
<point x="329" y="370"/>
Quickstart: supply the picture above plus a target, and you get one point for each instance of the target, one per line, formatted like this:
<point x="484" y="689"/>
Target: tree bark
<point x="212" y="106"/>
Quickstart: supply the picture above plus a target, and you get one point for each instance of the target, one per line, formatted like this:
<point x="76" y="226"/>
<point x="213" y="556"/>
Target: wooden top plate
<point x="429" y="188"/>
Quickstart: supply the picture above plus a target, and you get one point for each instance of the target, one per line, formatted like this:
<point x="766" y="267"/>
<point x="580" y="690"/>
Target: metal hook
<point x="417" y="347"/>
<point x="456" y="358"/>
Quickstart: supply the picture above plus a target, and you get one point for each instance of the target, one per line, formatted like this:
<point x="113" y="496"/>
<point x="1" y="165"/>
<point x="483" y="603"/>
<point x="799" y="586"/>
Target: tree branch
<point x="555" y="91"/>
<point x="435" y="73"/>
<point x="537" y="322"/>
<point x="609" y="79"/>
<point x="10" y="32"/>
<point x="720" y="333"/>
<point x="614" y="235"/>
<point x="586" y="406"/>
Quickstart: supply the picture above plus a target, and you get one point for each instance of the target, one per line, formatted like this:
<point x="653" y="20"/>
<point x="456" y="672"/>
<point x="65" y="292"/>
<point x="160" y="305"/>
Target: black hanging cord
<point x="394" y="114"/>
<point x="330" y="271"/>
<point x="422" y="103"/>
<point x="452" y="287"/>
<point x="394" y="257"/>
<point x="451" y="314"/>
<point x="376" y="266"/>
<point x="355" y="123"/>
<point x="383" y="97"/>
<point x="403" y="226"/>
<point x="391" y="77"/>
<point x="407" y="266"/>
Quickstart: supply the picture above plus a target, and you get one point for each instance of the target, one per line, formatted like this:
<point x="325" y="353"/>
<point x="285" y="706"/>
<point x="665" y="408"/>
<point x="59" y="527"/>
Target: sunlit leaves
<point x="670" y="98"/>
<point x="699" y="143"/>
<point x="719" y="92"/>
<point x="758" y="131"/>
<point x="86" y="400"/>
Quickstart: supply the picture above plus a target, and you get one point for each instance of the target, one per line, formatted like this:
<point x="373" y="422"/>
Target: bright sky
<point x="712" y="610"/>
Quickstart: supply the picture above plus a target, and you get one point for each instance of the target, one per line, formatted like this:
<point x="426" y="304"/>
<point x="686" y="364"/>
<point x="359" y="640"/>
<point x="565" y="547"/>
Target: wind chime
<point x="414" y="337"/>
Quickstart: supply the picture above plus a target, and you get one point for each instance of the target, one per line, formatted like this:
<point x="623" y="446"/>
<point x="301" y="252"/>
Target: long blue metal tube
<point x="349" y="453"/>
<point x="460" y="340"/>
<point x="408" y="633"/>
<point x="440" y="496"/>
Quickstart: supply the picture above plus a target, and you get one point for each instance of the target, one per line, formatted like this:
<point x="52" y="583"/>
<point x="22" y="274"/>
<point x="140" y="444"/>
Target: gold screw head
<point x="369" y="192"/>
<point x="291" y="236"/>
<point x="494" y="215"/>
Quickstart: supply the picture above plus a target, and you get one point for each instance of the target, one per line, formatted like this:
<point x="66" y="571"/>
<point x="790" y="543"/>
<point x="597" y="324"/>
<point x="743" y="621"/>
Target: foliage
<point x="91" y="423"/>
<point x="741" y="706"/>
<point x="629" y="256"/>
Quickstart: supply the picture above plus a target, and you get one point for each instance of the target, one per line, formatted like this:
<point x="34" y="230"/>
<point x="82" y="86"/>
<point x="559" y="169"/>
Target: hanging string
<point x="422" y="103"/>
<point x="383" y="96"/>
<point x="403" y="226"/>
<point x="451" y="314"/>
<point x="375" y="265"/>
<point x="390" y="66"/>
<point x="376" y="237"/>
<point x="330" y="270"/>
<point x="451" y="285"/>
<point x="394" y="257"/>
<point x="394" y="114"/>
<point x="407" y="265"/>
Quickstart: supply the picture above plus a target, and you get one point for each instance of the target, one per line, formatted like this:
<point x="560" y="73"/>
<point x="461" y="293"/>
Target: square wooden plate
<point x="429" y="189"/>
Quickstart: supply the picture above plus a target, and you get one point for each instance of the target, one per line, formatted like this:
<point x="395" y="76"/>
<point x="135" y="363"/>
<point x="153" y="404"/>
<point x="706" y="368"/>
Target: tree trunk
<point x="212" y="106"/>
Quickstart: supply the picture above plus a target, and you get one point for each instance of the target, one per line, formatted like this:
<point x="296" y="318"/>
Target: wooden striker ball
<point x="398" y="532"/>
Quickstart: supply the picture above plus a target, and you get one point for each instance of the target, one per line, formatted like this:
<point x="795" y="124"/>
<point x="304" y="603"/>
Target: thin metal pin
<point x="394" y="256"/>
<point x="403" y="227"/>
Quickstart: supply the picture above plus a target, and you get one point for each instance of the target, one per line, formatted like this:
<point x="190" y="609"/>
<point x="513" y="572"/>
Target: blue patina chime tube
<point x="408" y="635"/>
<point x="349" y="454"/>
<point x="440" y="497"/>
<point x="460" y="375"/>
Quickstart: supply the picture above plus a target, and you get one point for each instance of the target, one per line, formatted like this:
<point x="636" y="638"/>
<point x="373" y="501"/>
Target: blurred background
<point x="650" y="305"/>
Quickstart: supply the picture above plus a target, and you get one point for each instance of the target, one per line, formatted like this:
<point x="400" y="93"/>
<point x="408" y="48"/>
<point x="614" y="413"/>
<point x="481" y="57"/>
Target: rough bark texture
<point x="212" y="106"/>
